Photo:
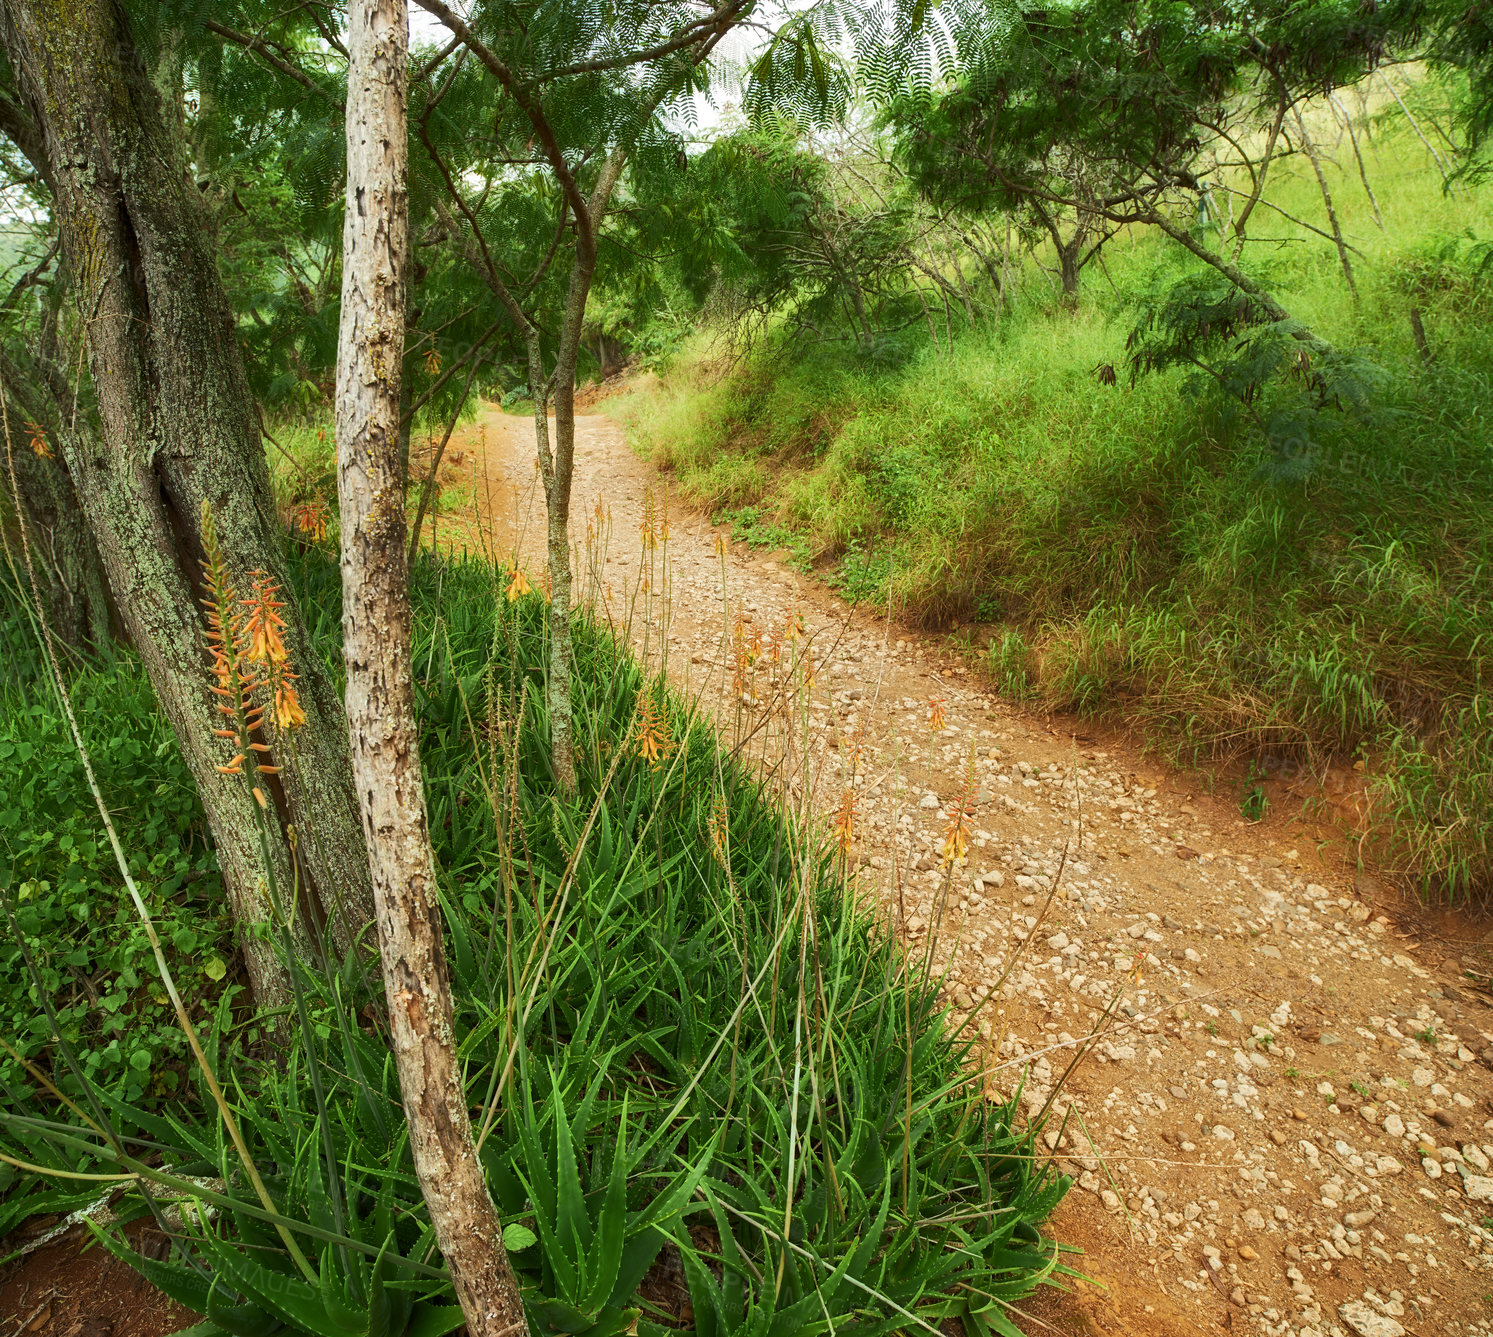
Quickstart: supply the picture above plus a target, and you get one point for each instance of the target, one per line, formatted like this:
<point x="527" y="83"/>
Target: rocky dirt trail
<point x="1287" y="1127"/>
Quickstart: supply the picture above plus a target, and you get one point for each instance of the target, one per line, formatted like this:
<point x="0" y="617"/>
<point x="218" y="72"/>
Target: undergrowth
<point x="1144" y="547"/>
<point x="64" y="891"/>
<point x="712" y="1095"/>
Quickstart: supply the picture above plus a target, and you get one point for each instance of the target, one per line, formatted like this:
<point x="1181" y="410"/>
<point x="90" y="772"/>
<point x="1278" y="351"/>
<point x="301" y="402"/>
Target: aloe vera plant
<point x="710" y="1095"/>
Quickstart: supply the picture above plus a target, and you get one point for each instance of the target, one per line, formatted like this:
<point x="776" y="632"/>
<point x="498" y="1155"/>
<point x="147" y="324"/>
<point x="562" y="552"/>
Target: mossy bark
<point x="52" y="523"/>
<point x="177" y="429"/>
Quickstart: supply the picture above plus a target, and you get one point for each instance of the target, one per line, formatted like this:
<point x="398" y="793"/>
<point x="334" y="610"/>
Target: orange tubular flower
<point x="288" y="713"/>
<point x="39" y="442"/>
<point x="956" y="838"/>
<point x="266" y="645"/>
<point x="937" y="721"/>
<point x="310" y="517"/>
<point x="648" y="529"/>
<point x="960" y="815"/>
<point x="653" y="740"/>
<point x="845" y="821"/>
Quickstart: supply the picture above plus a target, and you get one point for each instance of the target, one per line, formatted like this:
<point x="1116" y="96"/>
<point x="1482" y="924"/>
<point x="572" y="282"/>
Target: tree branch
<point x="260" y="47"/>
<point x="692" y="34"/>
<point x="446" y="375"/>
<point x="522" y="95"/>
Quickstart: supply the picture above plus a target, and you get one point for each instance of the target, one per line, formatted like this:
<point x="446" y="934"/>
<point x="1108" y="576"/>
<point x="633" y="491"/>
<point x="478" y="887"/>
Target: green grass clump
<point x="689" y="1045"/>
<point x="1142" y="547"/>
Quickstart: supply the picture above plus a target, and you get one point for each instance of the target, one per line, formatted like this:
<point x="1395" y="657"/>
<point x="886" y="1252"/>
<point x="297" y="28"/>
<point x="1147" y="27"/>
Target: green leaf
<point x="517" y="1238"/>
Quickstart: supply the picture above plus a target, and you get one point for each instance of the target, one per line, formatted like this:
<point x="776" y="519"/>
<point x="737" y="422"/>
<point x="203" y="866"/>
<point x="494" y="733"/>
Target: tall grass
<point x="1139" y="548"/>
<point x="712" y="1095"/>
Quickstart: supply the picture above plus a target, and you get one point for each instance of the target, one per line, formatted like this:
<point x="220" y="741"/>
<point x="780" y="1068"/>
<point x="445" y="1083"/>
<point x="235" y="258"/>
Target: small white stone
<point x="1394" y="1125"/>
<point x="1478" y="1187"/>
<point x="1223" y="1134"/>
<point x="1366" y="1323"/>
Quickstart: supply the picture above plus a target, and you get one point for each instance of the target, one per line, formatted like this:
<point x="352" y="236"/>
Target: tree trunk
<point x="177" y="429"/>
<point x="558" y="472"/>
<point x="1068" y="258"/>
<point x="557" y="484"/>
<point x="380" y="686"/>
<point x="67" y="564"/>
<point x="1237" y="277"/>
<point x="609" y="355"/>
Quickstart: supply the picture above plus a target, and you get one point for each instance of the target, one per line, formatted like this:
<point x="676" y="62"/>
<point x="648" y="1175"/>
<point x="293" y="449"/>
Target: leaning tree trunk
<point x="380" y="684"/>
<point x="177" y="429"/>
<point x="69" y="573"/>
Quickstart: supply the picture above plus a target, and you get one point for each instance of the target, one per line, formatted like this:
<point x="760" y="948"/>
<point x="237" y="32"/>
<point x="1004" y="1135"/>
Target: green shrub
<point x="63" y="887"/>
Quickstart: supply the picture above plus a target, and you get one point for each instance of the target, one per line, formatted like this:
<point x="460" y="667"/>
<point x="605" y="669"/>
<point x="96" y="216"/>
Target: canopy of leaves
<point x="1108" y="104"/>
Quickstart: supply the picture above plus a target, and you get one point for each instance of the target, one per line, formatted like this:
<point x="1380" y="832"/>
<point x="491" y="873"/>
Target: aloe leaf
<point x="342" y="1316"/>
<point x="287" y="1296"/>
<point x="611" y="1224"/>
<point x="430" y="1320"/>
<point x="244" y="1319"/>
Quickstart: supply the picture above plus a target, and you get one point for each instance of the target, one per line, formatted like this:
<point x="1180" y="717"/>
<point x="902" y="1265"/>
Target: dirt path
<point x="1248" y="1137"/>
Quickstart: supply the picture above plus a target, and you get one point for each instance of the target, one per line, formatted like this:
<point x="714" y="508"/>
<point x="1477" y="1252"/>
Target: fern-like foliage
<point x="1262" y="368"/>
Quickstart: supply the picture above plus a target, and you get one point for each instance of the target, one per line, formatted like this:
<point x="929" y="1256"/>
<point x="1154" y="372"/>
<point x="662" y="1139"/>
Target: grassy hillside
<point x="1139" y="547"/>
